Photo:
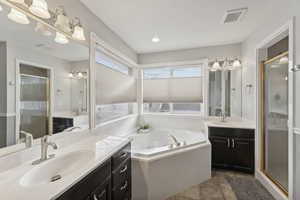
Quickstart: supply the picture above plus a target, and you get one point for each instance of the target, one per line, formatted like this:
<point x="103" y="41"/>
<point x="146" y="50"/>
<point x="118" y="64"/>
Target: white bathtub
<point x="161" y="169"/>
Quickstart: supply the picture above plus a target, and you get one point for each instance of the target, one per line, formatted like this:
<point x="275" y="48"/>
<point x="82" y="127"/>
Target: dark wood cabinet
<point x="110" y="181"/>
<point x="232" y="148"/>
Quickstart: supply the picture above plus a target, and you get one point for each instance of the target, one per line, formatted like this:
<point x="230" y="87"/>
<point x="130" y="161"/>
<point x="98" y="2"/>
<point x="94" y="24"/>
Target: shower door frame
<point x="17" y="93"/>
<point x="263" y="119"/>
<point x="287" y="29"/>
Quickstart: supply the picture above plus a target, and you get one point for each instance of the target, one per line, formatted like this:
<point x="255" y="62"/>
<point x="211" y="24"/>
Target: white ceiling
<point x="180" y="24"/>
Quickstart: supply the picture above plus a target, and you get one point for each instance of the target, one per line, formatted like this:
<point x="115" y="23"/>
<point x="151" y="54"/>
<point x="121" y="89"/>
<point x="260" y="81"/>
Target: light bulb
<point x="237" y="63"/>
<point x="18" y="17"/>
<point x="71" y="75"/>
<point x="43" y="29"/>
<point x="40" y="9"/>
<point x="1" y="8"/>
<point x="216" y="66"/>
<point x="80" y="75"/>
<point x="284" y="60"/>
<point x="78" y="33"/>
<point x="61" y="39"/>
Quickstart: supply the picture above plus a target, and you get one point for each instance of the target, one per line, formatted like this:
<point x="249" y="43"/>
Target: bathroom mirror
<point x="225" y="93"/>
<point x="43" y="81"/>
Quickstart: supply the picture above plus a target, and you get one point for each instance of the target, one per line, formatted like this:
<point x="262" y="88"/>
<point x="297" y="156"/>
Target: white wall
<point x="212" y="52"/>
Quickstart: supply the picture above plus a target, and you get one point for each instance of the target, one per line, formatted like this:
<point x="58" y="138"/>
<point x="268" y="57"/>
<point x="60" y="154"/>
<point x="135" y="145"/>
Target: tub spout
<point x="176" y="142"/>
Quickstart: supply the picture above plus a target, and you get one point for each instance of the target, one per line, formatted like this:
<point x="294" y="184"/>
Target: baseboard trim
<point x="271" y="187"/>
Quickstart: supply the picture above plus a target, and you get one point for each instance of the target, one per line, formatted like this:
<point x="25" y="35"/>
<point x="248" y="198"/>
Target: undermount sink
<point x="57" y="168"/>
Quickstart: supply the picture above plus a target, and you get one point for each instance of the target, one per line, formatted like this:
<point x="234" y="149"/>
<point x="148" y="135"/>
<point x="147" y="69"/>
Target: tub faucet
<point x="176" y="142"/>
<point x="223" y="116"/>
<point x="44" y="150"/>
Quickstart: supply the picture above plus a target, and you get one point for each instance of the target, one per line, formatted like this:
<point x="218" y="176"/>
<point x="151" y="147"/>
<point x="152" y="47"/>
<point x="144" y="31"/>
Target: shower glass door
<point x="275" y="119"/>
<point x="34" y="105"/>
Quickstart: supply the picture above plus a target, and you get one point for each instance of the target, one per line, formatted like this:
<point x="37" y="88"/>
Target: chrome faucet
<point x="28" y="139"/>
<point x="44" y="150"/>
<point x="223" y="116"/>
<point x="176" y="142"/>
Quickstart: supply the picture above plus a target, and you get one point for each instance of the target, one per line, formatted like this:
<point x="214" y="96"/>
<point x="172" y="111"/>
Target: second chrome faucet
<point x="44" y="150"/>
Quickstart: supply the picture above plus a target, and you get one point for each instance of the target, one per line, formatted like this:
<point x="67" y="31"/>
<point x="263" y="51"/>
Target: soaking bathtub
<point x="167" y="161"/>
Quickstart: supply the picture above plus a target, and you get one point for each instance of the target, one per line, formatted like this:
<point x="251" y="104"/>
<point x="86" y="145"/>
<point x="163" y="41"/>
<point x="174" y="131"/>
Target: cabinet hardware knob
<point x="124" y="186"/>
<point x="233" y="143"/>
<point x="123" y="170"/>
<point x="228" y="143"/>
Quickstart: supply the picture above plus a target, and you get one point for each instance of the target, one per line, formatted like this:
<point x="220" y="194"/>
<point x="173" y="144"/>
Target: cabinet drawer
<point x="231" y="132"/>
<point x="121" y="156"/>
<point x="103" y="192"/>
<point x="122" y="173"/>
<point x="123" y="191"/>
<point x="86" y="186"/>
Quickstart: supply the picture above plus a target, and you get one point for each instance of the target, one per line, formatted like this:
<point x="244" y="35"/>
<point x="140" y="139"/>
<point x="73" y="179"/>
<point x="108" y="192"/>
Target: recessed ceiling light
<point x="155" y="39"/>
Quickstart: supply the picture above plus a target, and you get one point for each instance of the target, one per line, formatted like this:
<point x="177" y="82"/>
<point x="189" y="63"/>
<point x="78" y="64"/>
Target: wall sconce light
<point x="18" y="17"/>
<point x="40" y="9"/>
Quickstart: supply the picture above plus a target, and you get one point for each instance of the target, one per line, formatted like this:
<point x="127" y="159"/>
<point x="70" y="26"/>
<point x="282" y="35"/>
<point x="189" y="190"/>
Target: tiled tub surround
<point x="15" y="166"/>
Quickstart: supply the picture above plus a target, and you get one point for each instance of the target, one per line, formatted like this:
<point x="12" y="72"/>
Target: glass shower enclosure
<point x="275" y="119"/>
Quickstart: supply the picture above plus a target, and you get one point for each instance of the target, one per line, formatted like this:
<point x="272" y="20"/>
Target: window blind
<point x="175" y="90"/>
<point x="113" y="86"/>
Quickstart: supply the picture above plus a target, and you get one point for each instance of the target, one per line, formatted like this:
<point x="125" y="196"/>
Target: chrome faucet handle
<point x="28" y="139"/>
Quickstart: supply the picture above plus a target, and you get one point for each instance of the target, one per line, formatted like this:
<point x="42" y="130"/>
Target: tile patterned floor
<point x="219" y="188"/>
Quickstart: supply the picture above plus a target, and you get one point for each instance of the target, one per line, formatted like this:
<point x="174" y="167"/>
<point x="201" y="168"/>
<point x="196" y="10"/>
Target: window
<point x="173" y="108"/>
<point x="178" y="89"/>
<point x="108" y="62"/>
<point x="115" y="91"/>
<point x="178" y="72"/>
<point x="109" y="112"/>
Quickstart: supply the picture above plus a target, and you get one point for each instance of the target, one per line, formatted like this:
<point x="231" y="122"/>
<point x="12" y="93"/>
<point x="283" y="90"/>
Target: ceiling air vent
<point x="234" y="15"/>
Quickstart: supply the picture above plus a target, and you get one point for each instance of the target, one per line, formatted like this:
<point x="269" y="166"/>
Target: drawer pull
<point x="233" y="143"/>
<point x="228" y="143"/>
<point x="124" y="186"/>
<point x="123" y="155"/>
<point x="100" y="195"/>
<point x="123" y="170"/>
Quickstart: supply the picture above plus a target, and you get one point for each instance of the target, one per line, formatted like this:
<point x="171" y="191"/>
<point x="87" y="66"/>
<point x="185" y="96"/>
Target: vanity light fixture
<point x="79" y="75"/>
<point x="18" y="17"/>
<point x="40" y="9"/>
<point x="236" y="63"/>
<point x="216" y="66"/>
<point x="78" y="32"/>
<point x="71" y="75"/>
<point x="43" y="29"/>
<point x="60" y="38"/>
<point x="1" y="8"/>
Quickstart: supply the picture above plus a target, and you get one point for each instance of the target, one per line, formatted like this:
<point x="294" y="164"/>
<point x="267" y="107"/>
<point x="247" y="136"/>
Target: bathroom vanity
<point x="110" y="181"/>
<point x="233" y="147"/>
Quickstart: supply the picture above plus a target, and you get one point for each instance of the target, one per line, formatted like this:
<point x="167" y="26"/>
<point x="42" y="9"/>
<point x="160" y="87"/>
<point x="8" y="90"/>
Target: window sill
<point x="116" y="120"/>
<point x="177" y="115"/>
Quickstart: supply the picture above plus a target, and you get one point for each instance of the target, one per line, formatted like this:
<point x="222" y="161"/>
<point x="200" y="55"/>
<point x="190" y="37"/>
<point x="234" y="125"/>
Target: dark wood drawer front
<point x="122" y="173"/>
<point x="231" y="132"/>
<point x="86" y="186"/>
<point x="123" y="191"/>
<point x="103" y="192"/>
<point x="121" y="156"/>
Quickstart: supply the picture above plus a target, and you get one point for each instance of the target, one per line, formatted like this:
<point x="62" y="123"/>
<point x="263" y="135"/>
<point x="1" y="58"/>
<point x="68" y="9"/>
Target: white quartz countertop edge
<point x="241" y="125"/>
<point x="11" y="189"/>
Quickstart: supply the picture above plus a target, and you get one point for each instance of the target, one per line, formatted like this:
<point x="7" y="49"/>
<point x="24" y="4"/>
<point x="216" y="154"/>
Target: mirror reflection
<point x="43" y="83"/>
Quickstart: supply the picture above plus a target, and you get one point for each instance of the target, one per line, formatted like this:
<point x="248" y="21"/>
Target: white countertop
<point x="242" y="124"/>
<point x="102" y="147"/>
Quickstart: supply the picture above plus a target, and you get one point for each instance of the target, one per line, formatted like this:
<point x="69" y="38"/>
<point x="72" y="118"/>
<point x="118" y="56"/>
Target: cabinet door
<point x="243" y="154"/>
<point x="103" y="192"/>
<point x="220" y="151"/>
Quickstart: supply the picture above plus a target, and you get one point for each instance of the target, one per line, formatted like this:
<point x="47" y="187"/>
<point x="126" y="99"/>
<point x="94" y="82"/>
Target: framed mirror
<point x="43" y="81"/>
